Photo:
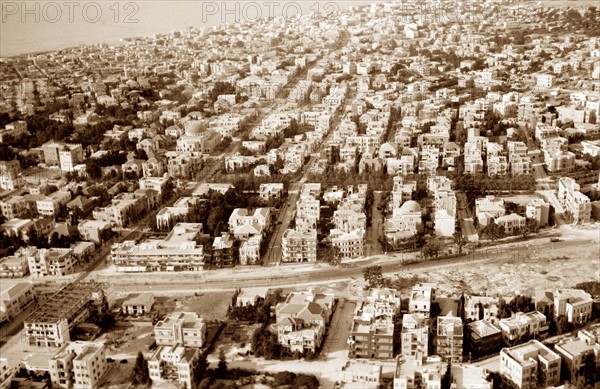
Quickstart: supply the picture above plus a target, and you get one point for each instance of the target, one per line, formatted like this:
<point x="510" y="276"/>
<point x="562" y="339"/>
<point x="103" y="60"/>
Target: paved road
<point x="275" y="251"/>
<point x="284" y="218"/>
<point x="314" y="274"/>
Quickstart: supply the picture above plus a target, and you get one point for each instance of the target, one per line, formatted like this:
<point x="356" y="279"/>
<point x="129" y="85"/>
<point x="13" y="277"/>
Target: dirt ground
<point x="521" y="270"/>
<point x="210" y="306"/>
<point x="235" y="341"/>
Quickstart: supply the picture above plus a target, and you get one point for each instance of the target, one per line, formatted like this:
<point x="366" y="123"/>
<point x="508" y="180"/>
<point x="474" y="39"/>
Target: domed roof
<point x="194" y="128"/>
<point x="410" y="206"/>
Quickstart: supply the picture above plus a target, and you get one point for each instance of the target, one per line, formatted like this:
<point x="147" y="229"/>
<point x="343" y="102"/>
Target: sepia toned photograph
<point x="300" y="194"/>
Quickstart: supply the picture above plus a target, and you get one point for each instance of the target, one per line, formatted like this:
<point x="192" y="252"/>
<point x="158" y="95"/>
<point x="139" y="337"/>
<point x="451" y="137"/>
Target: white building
<point x="78" y="365"/>
<point x="173" y="363"/>
<point x="186" y="328"/>
<point x="177" y="252"/>
<point x="520" y="365"/>
<point x="299" y="246"/>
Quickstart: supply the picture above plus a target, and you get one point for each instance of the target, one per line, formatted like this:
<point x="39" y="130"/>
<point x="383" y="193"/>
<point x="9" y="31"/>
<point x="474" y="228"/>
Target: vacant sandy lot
<point x="210" y="306"/>
<point x="521" y="270"/>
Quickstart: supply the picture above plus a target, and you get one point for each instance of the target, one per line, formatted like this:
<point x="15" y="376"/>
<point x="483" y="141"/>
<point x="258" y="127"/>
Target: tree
<point x="531" y="227"/>
<point x="588" y="369"/>
<point x="199" y="369"/>
<point x="305" y="381"/>
<point x="329" y="254"/>
<point x="284" y="378"/>
<point x="447" y="378"/>
<point x="459" y="239"/>
<point x="140" y="374"/>
<point x="493" y="231"/>
<point x="432" y="248"/>
<point x="503" y="309"/>
<point x="563" y="326"/>
<point x="521" y="303"/>
<point x="374" y="276"/>
<point x="222" y="366"/>
<point x="140" y="154"/>
<point x="37" y="240"/>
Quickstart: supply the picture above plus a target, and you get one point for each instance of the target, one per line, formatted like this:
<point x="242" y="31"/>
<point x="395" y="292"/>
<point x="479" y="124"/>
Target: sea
<point x="37" y="26"/>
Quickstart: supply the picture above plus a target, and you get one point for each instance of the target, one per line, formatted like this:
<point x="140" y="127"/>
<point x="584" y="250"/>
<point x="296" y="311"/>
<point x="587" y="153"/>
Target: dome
<point x="410" y="206"/>
<point x="194" y="128"/>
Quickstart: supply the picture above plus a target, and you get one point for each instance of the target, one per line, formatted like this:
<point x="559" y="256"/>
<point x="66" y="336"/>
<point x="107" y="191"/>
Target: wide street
<point x="306" y="275"/>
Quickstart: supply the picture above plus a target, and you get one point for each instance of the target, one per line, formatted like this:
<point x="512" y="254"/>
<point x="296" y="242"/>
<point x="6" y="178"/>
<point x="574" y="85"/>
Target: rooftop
<point x="65" y="302"/>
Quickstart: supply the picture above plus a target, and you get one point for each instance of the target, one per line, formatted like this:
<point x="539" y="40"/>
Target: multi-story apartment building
<point x="350" y="245"/>
<point x="372" y="333"/>
<point x="473" y="164"/>
<point x="522" y="326"/>
<point x="483" y="336"/>
<point x="69" y="156"/>
<point x="299" y="246"/>
<point x="14" y="266"/>
<point x="49" y="262"/>
<point x="415" y="335"/>
<point x="177" y="252"/>
<point x="308" y="210"/>
<point x="363" y="374"/>
<point x="169" y="215"/>
<point x="270" y="191"/>
<point x="480" y="308"/>
<point x="302" y="320"/>
<point x="497" y="165"/>
<point x="419" y="372"/>
<point x="14" y="299"/>
<point x="538" y="210"/>
<point x="240" y="217"/>
<point x="78" y="365"/>
<point x="575" y="350"/>
<point x="576" y="203"/>
<point x="51" y="205"/>
<point x="6" y="374"/>
<point x="544" y="80"/>
<point x="183" y="164"/>
<point x="530" y="364"/>
<point x="96" y="231"/>
<point x="10" y="175"/>
<point x="15" y="207"/>
<point x="421" y="298"/>
<point x="348" y="219"/>
<point x="574" y="304"/>
<point x="558" y="160"/>
<point x="173" y="363"/>
<point x="221" y="254"/>
<point x="520" y="164"/>
<point x="449" y="338"/>
<point x="50" y="325"/>
<point x="186" y="328"/>
<point x="516" y="148"/>
<point x="250" y="250"/>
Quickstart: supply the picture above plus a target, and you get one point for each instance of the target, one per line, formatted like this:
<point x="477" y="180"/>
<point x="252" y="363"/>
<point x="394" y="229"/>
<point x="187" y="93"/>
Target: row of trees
<point x="374" y="277"/>
<point x="214" y="210"/>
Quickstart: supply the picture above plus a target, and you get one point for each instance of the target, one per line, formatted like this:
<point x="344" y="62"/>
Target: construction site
<point x="51" y="324"/>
